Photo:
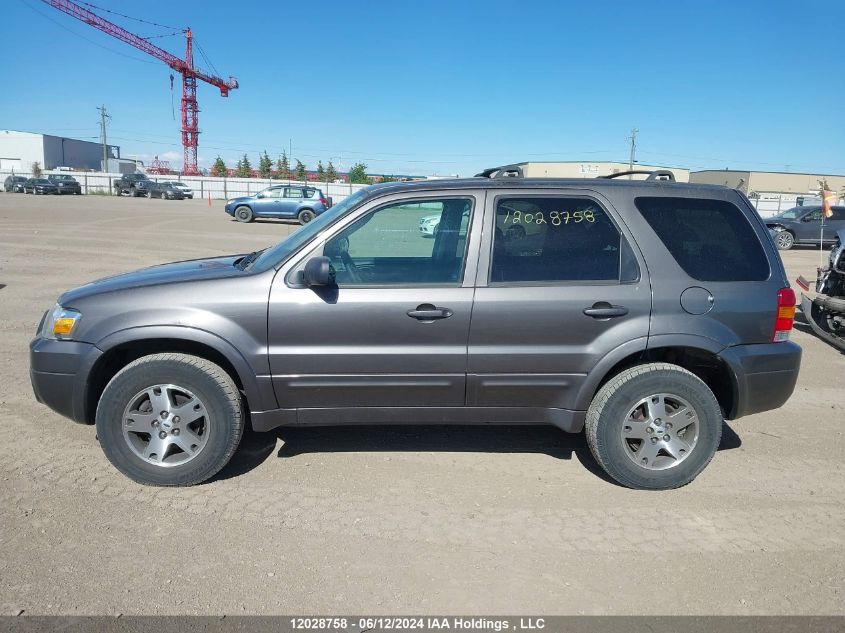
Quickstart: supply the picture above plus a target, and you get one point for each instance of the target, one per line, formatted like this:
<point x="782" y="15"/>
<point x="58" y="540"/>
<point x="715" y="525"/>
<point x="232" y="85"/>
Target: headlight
<point x="60" y="323"/>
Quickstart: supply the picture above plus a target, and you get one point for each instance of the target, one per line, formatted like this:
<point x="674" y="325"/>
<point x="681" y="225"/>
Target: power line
<point x="90" y="41"/>
<point x="129" y="17"/>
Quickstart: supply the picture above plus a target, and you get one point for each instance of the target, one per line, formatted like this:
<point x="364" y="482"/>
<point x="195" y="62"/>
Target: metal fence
<point x="102" y="183"/>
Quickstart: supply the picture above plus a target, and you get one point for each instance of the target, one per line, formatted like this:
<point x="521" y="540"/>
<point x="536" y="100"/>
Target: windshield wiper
<point x="245" y="261"/>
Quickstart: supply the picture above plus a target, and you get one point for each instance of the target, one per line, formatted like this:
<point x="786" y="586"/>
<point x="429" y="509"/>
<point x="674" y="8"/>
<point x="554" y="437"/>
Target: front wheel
<point x="654" y="426"/>
<point x="244" y="214"/>
<point x="170" y="419"/>
<point x="784" y="240"/>
<point x="305" y="216"/>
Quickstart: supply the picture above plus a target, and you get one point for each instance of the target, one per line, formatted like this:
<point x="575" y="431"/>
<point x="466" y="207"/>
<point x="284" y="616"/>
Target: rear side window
<point x="710" y="239"/>
<point x="549" y="240"/>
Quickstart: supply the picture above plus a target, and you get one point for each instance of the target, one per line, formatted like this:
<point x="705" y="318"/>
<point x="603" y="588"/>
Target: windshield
<point x="294" y="241"/>
<point x="793" y="213"/>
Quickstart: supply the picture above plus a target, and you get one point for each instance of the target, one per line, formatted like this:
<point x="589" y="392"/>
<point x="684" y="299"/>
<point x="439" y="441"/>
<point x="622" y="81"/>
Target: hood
<point x="177" y="272"/>
<point x="240" y="199"/>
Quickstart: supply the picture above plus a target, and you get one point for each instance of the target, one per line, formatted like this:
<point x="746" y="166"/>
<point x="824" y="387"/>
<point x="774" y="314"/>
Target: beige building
<point x="585" y="169"/>
<point x="767" y="182"/>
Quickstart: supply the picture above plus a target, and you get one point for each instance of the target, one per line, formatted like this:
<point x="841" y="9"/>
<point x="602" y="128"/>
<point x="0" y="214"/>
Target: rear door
<point x="559" y="287"/>
<point x="393" y="332"/>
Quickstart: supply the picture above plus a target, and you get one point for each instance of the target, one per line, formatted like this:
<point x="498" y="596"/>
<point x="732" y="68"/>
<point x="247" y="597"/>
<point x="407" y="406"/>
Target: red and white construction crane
<point x="184" y="67"/>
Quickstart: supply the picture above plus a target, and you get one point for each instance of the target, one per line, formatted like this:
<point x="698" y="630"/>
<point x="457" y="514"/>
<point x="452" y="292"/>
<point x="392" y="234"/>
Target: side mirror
<point x="318" y="272"/>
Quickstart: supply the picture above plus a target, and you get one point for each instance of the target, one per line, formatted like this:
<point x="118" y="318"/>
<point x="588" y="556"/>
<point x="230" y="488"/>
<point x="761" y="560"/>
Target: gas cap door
<point x="697" y="300"/>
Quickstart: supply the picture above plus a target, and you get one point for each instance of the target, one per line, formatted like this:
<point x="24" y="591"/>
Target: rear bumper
<point x="59" y="372"/>
<point x="764" y="375"/>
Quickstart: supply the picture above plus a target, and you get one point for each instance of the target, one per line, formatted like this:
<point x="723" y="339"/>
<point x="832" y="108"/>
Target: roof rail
<point x="504" y="171"/>
<point x="657" y="174"/>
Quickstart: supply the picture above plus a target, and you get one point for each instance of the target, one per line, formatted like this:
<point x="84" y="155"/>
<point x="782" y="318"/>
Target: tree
<point x="36" y="169"/>
<point x="321" y="171"/>
<point x="300" y="170"/>
<point x="283" y="167"/>
<point x="265" y="165"/>
<point x="331" y="173"/>
<point x="358" y="174"/>
<point x="244" y="169"/>
<point x="219" y="168"/>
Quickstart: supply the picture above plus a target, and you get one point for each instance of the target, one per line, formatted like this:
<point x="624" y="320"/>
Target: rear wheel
<point x="784" y="240"/>
<point x="305" y="216"/>
<point x="170" y="420"/>
<point x="654" y="426"/>
<point x="244" y="214"/>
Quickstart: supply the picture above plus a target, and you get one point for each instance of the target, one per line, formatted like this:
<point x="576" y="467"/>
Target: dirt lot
<point x="390" y="520"/>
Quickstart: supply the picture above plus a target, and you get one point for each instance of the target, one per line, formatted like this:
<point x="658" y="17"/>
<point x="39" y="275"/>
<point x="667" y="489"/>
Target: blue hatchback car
<point x="290" y="202"/>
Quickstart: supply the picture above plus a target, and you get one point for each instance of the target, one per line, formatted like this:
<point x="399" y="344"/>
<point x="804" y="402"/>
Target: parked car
<point x="280" y="201"/>
<point x="66" y="184"/>
<point x="187" y="192"/>
<point x="643" y="313"/>
<point x="39" y="185"/>
<point x="134" y="185"/>
<point x="802" y="225"/>
<point x="14" y="184"/>
<point x="164" y="190"/>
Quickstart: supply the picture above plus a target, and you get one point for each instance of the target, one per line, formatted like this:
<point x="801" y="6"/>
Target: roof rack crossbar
<point x="503" y="171"/>
<point x="657" y="174"/>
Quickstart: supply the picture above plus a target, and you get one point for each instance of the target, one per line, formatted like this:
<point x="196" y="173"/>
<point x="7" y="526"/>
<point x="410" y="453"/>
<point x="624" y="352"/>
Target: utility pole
<point x="103" y="117"/>
<point x="633" y="150"/>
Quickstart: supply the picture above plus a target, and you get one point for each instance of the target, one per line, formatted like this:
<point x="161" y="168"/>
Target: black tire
<point x="244" y="214"/>
<point x="609" y="410"/>
<point x="834" y="304"/>
<point x="211" y="385"/>
<point x="305" y="216"/>
<point x="784" y="240"/>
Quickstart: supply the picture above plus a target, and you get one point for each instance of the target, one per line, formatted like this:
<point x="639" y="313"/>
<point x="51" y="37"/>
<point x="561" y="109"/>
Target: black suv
<point x="14" y="184"/>
<point x="644" y="312"/>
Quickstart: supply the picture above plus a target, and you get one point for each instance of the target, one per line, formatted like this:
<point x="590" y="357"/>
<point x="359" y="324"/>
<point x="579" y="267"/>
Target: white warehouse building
<point x="19" y="150"/>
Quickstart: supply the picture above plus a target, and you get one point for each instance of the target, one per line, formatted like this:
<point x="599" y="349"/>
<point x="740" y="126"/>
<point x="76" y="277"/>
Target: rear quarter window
<point x="711" y="240"/>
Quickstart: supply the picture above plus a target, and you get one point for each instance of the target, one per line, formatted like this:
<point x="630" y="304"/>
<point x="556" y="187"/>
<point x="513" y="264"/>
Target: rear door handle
<point x="604" y="310"/>
<point x="429" y="312"/>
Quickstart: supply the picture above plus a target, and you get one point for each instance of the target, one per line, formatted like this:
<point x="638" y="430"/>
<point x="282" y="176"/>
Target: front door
<point x="393" y="331"/>
<point x="559" y="288"/>
<point x="269" y="201"/>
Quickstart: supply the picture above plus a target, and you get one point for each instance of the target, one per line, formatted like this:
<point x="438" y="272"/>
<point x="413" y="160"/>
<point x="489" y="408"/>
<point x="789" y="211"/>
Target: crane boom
<point x="185" y="67"/>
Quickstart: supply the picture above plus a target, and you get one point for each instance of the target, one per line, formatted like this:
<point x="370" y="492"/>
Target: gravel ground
<point x="390" y="520"/>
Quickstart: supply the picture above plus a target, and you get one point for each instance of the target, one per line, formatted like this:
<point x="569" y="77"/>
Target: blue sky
<point x="451" y="86"/>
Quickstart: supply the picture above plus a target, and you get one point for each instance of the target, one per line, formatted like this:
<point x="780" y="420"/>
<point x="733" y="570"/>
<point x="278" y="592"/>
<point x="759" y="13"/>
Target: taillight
<point x="785" y="315"/>
<point x="324" y="202"/>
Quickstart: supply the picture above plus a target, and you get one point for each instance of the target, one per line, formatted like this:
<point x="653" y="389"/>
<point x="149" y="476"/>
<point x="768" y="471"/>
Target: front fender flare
<point x="259" y="394"/>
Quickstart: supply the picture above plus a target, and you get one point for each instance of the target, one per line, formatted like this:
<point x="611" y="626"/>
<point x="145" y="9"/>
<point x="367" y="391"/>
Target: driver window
<point x="271" y="193"/>
<point x="405" y="243"/>
<point x="814" y="216"/>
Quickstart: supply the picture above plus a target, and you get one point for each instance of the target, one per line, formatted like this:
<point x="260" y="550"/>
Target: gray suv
<point x="803" y="225"/>
<point x="641" y="312"/>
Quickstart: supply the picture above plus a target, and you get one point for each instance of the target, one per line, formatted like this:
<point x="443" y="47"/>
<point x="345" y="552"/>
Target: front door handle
<point x="429" y="312"/>
<point x="604" y="310"/>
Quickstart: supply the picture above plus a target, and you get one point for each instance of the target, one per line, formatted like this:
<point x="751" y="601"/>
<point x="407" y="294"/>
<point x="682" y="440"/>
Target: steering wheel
<point x="351" y="269"/>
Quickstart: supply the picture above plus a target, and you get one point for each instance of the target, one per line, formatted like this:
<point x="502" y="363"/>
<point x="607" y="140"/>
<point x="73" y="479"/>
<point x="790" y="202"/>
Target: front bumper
<point x="59" y="372"/>
<point x="764" y="375"/>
